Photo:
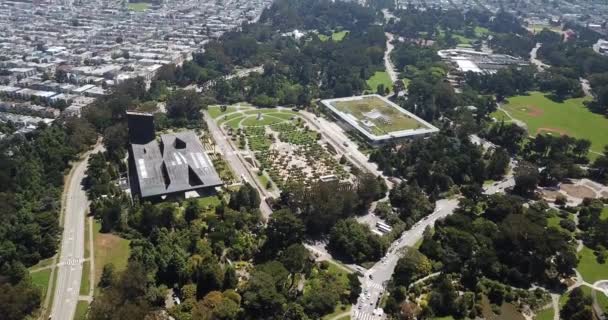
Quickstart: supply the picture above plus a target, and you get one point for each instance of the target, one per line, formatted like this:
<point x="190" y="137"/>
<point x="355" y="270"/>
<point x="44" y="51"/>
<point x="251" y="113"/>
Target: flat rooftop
<point x="378" y="118"/>
<point x="177" y="163"/>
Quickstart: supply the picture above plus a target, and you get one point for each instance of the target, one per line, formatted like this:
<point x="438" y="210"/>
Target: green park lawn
<point x="109" y="248"/>
<point x="138" y="6"/>
<point x="216" y="111"/>
<point x="41" y="280"/>
<point x="264" y="179"/>
<point x="339" y="309"/>
<point x="337" y="36"/>
<point x="210" y="201"/>
<point x="265" y="120"/>
<point x="481" y="31"/>
<point x="602" y="300"/>
<point x="247" y="116"/>
<point x="570" y="117"/>
<point x="234" y="122"/>
<point x="546" y="314"/>
<point x="85" y="283"/>
<point x="81" y="310"/>
<point x="563" y="299"/>
<point x="589" y="268"/>
<point x="604" y="214"/>
<point x="380" y="77"/>
<point x="42" y="264"/>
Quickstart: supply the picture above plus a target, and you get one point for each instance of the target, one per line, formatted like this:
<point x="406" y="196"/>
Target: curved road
<point x="67" y="287"/>
<point x="375" y="279"/>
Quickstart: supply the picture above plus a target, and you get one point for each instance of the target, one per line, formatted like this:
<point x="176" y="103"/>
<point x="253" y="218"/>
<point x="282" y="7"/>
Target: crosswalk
<point x="360" y="315"/>
<point x="373" y="285"/>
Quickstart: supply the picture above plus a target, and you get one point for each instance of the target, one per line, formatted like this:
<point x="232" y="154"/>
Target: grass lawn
<point x="564" y="297"/>
<point x="264" y="179"/>
<point x="87" y="252"/>
<point x="481" y="31"/>
<point x="42" y="264"/>
<point x="340" y="308"/>
<point x="210" y="201"/>
<point x="85" y="283"/>
<point x="554" y="222"/>
<point x="225" y="118"/>
<point x="109" y="248"/>
<point x="602" y="300"/>
<point x="282" y="115"/>
<point x="234" y="122"/>
<point x="604" y="214"/>
<point x="336" y="36"/>
<point x="138" y="6"/>
<point x="380" y="77"/>
<point x="546" y="314"/>
<point x="589" y="268"/>
<point x="444" y="318"/>
<point x="419" y="242"/>
<point x="81" y="310"/>
<point x="266" y="120"/>
<point x="41" y="280"/>
<point x="570" y="117"/>
<point x="216" y="111"/>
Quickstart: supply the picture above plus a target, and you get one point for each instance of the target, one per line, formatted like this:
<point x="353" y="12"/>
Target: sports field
<point x="376" y="115"/>
<point x="570" y="117"/>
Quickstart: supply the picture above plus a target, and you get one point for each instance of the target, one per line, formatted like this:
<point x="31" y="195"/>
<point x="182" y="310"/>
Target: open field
<point x="380" y="77"/>
<point x="376" y="115"/>
<point x="570" y="117"/>
<point x="589" y="268"/>
<point x="109" y="248"/>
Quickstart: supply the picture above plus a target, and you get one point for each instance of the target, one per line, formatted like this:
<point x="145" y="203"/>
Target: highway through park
<point x="71" y="257"/>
